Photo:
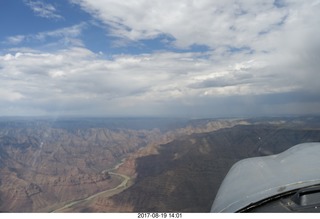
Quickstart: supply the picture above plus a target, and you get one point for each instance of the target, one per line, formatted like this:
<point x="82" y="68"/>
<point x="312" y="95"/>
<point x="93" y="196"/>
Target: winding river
<point x="107" y="193"/>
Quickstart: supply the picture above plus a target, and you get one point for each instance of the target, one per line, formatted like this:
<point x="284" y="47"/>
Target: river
<point x="107" y="193"/>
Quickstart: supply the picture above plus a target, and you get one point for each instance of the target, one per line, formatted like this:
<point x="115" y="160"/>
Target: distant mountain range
<point x="130" y="164"/>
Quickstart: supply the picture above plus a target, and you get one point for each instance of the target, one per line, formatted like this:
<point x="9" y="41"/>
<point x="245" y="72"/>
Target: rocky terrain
<point x="47" y="164"/>
<point x="131" y="165"/>
<point x="43" y="166"/>
<point x="185" y="174"/>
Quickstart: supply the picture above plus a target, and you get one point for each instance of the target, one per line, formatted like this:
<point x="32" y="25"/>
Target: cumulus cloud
<point x="77" y="81"/>
<point x="43" y="9"/>
<point x="261" y="57"/>
<point x="204" y="22"/>
<point x="277" y="27"/>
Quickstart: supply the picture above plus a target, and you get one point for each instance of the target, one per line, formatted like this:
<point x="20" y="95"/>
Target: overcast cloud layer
<point x="217" y="58"/>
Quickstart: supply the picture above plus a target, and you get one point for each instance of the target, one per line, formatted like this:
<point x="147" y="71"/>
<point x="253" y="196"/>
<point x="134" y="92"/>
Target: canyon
<point x="131" y="165"/>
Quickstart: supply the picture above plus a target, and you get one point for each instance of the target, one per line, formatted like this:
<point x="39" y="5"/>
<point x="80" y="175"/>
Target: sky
<point x="161" y="58"/>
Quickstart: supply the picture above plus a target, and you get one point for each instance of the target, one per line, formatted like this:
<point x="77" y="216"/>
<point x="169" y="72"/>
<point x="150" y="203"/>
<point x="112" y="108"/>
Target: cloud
<point x="274" y="27"/>
<point x="67" y="36"/>
<point x="42" y="9"/>
<point x="15" y="39"/>
<point x="72" y="31"/>
<point x="260" y="57"/>
<point x="76" y="81"/>
<point x="205" y="22"/>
